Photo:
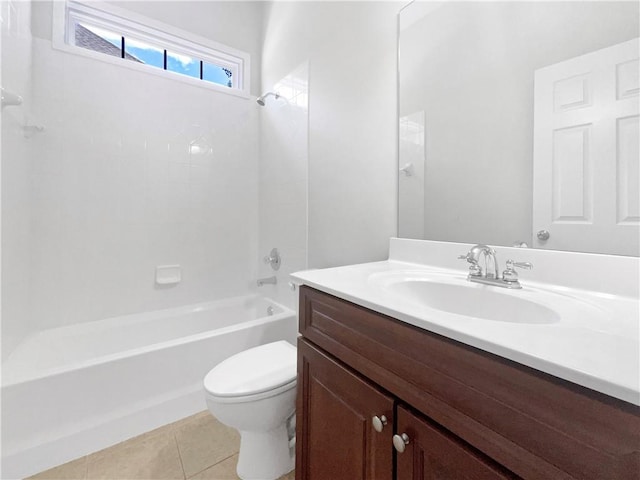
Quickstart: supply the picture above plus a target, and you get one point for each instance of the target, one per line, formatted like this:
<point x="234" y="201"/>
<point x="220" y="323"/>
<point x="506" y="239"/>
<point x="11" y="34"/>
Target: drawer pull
<point x="379" y="422"/>
<point x="400" y="442"/>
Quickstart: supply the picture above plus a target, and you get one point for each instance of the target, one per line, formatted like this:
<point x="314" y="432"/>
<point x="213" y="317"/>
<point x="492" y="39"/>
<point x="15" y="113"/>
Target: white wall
<point x="470" y="66"/>
<point x="351" y="50"/>
<point x="116" y="190"/>
<point x="16" y="168"/>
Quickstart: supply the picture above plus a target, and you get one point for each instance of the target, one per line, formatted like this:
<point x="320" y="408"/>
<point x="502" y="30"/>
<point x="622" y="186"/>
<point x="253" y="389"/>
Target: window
<point x="151" y="45"/>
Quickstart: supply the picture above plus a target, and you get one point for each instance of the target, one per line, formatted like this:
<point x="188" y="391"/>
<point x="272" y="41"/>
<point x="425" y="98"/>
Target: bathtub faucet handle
<point x="273" y="259"/>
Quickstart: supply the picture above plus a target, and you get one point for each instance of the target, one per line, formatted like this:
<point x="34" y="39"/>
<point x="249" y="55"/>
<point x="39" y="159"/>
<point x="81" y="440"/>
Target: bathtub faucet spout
<point x="263" y="281"/>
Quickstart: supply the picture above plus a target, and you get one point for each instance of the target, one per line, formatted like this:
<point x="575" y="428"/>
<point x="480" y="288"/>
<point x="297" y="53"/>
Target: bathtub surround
<point x="115" y="195"/>
<point x="96" y="201"/>
<point x="284" y="158"/>
<point x="16" y="173"/>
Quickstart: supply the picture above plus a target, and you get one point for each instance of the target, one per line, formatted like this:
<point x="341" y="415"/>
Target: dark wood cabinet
<point x="435" y="454"/>
<point x="337" y="438"/>
<point x="467" y="413"/>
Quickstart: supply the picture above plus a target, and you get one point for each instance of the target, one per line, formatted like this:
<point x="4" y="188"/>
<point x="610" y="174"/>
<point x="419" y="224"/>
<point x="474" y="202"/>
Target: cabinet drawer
<point x="534" y="424"/>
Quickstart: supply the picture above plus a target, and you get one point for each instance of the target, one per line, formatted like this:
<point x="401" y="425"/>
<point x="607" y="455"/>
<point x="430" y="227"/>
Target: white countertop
<point x="595" y="342"/>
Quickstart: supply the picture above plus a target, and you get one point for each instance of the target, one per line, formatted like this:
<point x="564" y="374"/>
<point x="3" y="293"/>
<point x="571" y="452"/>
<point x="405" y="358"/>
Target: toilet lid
<point x="253" y="371"/>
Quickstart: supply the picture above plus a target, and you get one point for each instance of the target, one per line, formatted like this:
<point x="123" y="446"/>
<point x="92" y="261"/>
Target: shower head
<point x="261" y="99"/>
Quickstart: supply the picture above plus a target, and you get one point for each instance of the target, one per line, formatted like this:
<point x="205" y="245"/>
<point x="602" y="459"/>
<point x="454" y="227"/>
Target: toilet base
<point x="265" y="455"/>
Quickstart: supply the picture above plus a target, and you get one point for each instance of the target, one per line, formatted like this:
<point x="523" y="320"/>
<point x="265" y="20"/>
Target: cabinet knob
<point x="400" y="442"/>
<point x="379" y="422"/>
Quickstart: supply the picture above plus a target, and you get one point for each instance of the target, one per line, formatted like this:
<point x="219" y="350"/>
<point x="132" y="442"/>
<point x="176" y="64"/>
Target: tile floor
<point x="197" y="447"/>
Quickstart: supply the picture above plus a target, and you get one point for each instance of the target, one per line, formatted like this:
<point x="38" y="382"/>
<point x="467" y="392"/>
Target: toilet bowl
<point x="254" y="392"/>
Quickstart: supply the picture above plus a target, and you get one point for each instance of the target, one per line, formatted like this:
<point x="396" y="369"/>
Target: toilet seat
<point x="254" y="397"/>
<point x="259" y="372"/>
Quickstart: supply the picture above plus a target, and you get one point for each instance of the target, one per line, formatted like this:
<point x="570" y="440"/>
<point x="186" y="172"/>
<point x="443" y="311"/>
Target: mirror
<point x="519" y="124"/>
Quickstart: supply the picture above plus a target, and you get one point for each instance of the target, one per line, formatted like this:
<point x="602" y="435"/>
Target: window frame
<point x="144" y="29"/>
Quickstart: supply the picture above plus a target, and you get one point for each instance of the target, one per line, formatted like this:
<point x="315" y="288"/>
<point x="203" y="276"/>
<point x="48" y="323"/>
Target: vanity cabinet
<point x="336" y="433"/>
<point x="466" y="413"/>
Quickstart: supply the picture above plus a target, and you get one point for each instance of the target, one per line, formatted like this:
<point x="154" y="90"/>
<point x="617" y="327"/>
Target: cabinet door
<point x="336" y="431"/>
<point x="433" y="453"/>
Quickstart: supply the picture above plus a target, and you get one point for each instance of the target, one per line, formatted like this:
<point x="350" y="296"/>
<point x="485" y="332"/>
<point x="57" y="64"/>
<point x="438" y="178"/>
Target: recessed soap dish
<point x="168" y="274"/>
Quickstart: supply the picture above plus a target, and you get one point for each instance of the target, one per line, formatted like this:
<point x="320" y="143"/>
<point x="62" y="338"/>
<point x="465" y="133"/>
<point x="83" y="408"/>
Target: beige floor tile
<point x="203" y="442"/>
<point x="74" y="470"/>
<point x="225" y="470"/>
<point x="153" y="455"/>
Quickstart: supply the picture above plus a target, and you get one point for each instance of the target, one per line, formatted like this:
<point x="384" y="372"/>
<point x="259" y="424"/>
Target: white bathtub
<point x="69" y="391"/>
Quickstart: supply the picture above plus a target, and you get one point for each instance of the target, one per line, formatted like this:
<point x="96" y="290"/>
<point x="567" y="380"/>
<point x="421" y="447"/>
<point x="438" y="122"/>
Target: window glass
<point x="98" y="39"/>
<point x="108" y="33"/>
<point x="183" y="64"/>
<point x="217" y="74"/>
<point x="142" y="52"/>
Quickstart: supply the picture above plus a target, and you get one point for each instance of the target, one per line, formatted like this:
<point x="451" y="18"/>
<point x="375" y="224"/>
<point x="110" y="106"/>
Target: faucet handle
<point x="273" y="259"/>
<point x="475" y="270"/>
<point x="511" y="264"/>
<point x="510" y="275"/>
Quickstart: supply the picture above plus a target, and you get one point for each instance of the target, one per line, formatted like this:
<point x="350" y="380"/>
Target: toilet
<point x="254" y="392"/>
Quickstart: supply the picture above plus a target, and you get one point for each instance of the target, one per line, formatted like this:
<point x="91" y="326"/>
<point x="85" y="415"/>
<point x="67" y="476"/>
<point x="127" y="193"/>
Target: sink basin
<point x="470" y="300"/>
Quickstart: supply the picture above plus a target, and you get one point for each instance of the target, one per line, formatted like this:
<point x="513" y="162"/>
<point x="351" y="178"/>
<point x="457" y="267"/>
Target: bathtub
<point x="70" y="391"/>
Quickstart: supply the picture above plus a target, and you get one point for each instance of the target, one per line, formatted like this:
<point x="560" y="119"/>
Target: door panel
<point x="335" y="435"/>
<point x="435" y="454"/>
<point x="586" y="191"/>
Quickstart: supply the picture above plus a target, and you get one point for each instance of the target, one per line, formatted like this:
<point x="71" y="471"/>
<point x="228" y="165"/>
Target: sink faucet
<point x="473" y="258"/>
<point x="508" y="279"/>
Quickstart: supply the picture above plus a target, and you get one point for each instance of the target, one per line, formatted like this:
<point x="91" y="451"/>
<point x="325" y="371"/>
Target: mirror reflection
<point x="519" y="124"/>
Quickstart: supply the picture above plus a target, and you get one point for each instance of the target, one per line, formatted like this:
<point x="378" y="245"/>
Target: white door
<point x="586" y="172"/>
